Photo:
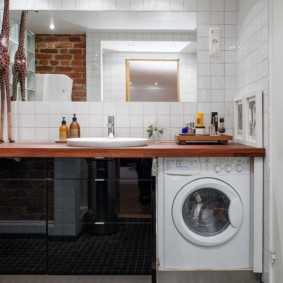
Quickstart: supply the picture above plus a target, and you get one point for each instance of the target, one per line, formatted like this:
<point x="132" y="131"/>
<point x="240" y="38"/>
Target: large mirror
<point x="152" y="80"/>
<point x="104" y="62"/>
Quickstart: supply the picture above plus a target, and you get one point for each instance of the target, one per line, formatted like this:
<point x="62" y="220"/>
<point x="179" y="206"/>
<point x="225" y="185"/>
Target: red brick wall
<point x="63" y="54"/>
<point x="23" y="191"/>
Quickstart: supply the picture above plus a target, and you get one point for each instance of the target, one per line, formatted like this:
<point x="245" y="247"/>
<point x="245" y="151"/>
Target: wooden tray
<point x="186" y="138"/>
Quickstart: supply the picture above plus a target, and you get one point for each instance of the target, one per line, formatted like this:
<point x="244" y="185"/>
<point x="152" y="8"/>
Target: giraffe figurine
<point x="20" y="65"/>
<point x="4" y="72"/>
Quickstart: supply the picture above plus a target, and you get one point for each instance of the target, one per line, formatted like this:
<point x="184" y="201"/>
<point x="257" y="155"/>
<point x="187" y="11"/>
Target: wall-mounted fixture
<point x="214" y="41"/>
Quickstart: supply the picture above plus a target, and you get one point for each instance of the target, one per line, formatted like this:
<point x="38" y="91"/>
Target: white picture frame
<point x="239" y="119"/>
<point x="253" y="119"/>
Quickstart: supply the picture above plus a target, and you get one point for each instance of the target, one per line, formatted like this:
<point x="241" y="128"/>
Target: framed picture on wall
<point x="239" y="111"/>
<point x="253" y="119"/>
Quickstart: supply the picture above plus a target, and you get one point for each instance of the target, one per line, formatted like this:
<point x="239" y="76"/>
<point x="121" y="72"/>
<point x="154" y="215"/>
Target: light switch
<point x="214" y="41"/>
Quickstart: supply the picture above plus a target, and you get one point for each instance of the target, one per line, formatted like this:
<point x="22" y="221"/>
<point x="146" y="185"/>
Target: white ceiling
<point x="148" y="46"/>
<point x="75" y="22"/>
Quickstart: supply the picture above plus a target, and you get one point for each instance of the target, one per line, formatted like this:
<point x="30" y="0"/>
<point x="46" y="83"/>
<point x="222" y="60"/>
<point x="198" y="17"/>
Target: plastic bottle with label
<point x="75" y="128"/>
<point x="63" y="131"/>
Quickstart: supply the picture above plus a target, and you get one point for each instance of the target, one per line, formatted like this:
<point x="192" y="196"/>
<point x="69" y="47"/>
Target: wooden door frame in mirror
<point x="127" y="62"/>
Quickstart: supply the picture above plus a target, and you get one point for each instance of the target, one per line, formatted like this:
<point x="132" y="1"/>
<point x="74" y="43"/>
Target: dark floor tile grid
<point x="126" y="252"/>
<point x="23" y="256"/>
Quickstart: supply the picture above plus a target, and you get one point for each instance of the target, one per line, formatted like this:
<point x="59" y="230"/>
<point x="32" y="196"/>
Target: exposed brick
<point x="70" y="56"/>
<point x="79" y="57"/>
<point x="62" y="70"/>
<point x="49" y="38"/>
<point x="43" y="69"/>
<point x="77" y="63"/>
<point x="75" y="51"/>
<point x="38" y="39"/>
<point x="43" y="62"/>
<point x="65" y="63"/>
<point x="75" y="76"/>
<point x="81" y="93"/>
<point x="42" y="45"/>
<point x="63" y="45"/>
<point x="49" y="50"/>
<point x="79" y="69"/>
<point x="54" y="62"/>
<point x="63" y="57"/>
<point x="80" y="81"/>
<point x="64" y="51"/>
<point x="80" y="45"/>
<point x="75" y="39"/>
<point x="43" y="56"/>
<point x="64" y="38"/>
<point x="75" y="98"/>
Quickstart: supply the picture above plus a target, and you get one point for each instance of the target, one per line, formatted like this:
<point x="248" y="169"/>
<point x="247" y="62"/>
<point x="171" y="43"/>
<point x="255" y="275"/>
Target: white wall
<point x="216" y="76"/>
<point x="40" y="121"/>
<point x="114" y="66"/>
<point x="276" y="24"/>
<point x="253" y="75"/>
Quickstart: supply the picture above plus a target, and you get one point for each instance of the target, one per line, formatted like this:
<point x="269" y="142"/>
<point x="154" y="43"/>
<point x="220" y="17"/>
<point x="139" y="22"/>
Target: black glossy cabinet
<point x="69" y="216"/>
<point x="24" y="191"/>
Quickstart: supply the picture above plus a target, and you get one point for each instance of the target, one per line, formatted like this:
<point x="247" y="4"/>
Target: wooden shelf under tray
<point x="186" y="138"/>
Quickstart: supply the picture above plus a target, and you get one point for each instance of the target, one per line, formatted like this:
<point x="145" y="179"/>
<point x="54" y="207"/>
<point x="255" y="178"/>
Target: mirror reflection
<point x="152" y="80"/>
<point x="100" y="70"/>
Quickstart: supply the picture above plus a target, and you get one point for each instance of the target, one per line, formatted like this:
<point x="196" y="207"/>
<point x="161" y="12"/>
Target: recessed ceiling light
<point x="52" y="26"/>
<point x="156" y="83"/>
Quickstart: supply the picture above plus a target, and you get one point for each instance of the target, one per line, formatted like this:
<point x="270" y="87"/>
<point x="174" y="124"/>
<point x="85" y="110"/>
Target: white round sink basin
<point x="107" y="142"/>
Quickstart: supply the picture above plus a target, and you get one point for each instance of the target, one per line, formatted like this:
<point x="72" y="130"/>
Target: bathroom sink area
<point x="106" y="142"/>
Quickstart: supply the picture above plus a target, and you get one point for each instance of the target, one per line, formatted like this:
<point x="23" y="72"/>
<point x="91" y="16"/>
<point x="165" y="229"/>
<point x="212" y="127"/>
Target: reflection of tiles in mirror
<point x="23" y="254"/>
<point x="127" y="252"/>
<point x="77" y="279"/>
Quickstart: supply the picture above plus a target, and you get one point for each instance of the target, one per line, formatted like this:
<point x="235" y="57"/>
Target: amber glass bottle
<point x="75" y="128"/>
<point x="63" y="131"/>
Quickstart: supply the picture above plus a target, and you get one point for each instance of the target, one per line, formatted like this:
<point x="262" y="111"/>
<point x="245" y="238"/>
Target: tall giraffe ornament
<point x="4" y="72"/>
<point x="20" y="63"/>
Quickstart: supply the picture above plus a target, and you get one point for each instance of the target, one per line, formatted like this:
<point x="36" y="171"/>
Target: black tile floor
<point x="127" y="252"/>
<point x="23" y="255"/>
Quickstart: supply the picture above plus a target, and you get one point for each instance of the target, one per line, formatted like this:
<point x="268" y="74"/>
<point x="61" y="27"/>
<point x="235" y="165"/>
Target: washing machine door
<point x="207" y="212"/>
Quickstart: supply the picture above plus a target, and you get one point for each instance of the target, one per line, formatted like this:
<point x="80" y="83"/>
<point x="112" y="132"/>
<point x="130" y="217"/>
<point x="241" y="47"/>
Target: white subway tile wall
<point x="131" y="119"/>
<point x="253" y="72"/>
<point x="216" y="82"/>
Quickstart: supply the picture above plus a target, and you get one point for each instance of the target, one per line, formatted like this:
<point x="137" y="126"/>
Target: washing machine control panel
<point x="184" y="165"/>
<point x="207" y="165"/>
<point x="225" y="165"/>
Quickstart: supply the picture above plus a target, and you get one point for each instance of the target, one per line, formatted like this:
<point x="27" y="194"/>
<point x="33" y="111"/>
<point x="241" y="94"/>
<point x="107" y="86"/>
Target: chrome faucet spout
<point x="110" y="126"/>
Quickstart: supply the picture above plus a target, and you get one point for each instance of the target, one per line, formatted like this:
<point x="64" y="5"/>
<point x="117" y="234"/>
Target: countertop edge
<point x="166" y="149"/>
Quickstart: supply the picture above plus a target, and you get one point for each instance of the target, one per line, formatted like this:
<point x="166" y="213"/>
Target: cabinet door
<point x="87" y="235"/>
<point x="23" y="206"/>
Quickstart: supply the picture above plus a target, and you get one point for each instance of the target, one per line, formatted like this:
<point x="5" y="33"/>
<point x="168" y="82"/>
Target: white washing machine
<point x="203" y="214"/>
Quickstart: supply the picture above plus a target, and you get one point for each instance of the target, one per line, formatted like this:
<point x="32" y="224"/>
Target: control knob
<point x="217" y="168"/>
<point x="239" y="168"/>
<point x="228" y="168"/>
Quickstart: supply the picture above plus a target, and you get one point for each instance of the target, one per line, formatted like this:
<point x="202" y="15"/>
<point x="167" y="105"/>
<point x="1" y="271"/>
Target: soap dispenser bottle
<point x="75" y="128"/>
<point x="63" y="131"/>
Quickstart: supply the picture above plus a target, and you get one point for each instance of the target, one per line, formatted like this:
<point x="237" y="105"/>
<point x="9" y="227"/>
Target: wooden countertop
<point x="163" y="149"/>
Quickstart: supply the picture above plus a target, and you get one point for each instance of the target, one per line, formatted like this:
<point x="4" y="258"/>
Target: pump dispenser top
<point x="63" y="131"/>
<point x="75" y="128"/>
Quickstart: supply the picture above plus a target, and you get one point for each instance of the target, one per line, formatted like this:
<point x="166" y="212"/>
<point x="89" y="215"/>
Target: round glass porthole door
<point x="207" y="212"/>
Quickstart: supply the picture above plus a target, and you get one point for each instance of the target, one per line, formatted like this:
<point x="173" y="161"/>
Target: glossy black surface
<point x="119" y="199"/>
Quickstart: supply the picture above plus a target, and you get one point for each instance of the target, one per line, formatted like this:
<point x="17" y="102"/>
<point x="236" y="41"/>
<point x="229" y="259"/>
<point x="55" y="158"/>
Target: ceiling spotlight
<point x="51" y="26"/>
<point x="156" y="83"/>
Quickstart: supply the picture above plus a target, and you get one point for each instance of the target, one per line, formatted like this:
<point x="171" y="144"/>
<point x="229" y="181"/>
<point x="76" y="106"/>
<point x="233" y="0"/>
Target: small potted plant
<point x="154" y="133"/>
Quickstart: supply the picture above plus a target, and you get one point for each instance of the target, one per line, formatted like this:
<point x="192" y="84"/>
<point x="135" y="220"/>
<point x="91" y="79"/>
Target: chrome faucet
<point x="110" y="126"/>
